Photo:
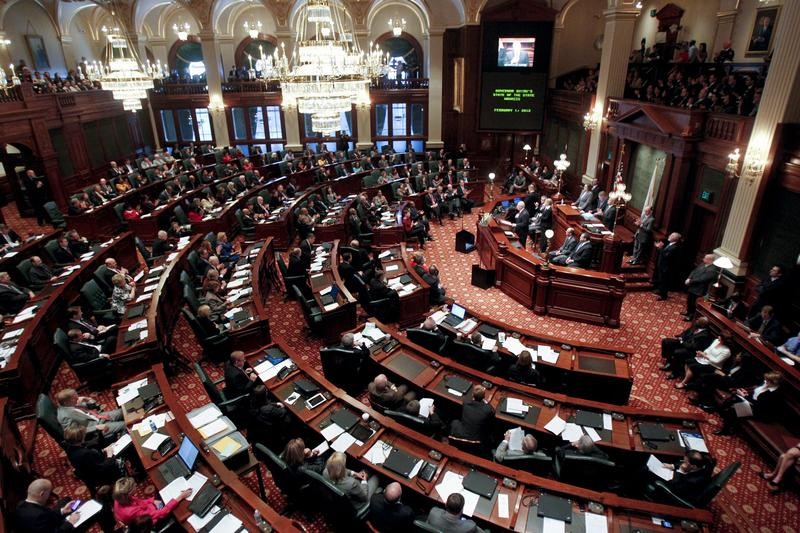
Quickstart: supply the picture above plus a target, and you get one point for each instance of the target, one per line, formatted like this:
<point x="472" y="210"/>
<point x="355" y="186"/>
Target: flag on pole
<point x="655" y="181"/>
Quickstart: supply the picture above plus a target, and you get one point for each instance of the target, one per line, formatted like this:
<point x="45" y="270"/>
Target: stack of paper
<point x="227" y="524"/>
<point x="596" y="523"/>
<point x="551" y="525"/>
<point x="373" y="332"/>
<point x="467" y="326"/>
<point x="378" y="454"/>
<point x="226" y="446"/>
<point x="452" y="483"/>
<point x="271" y="372"/>
<point x="205" y="416"/>
<point x="130" y="391"/>
<point x="215" y="427"/>
<point x="657" y="467"/>
<point x="516" y="406"/>
<point x="144" y="297"/>
<point x="556" y="425"/>
<point x="139" y="324"/>
<point x="86" y="511"/>
<point x="425" y="405"/>
<point x="154" y="441"/>
<point x="199" y="523"/>
<point x="571" y="432"/>
<point x="236" y="284"/>
<point x="547" y="354"/>
<point x="123" y="442"/>
<point x="384" y="254"/>
<point x="515" y="439"/>
<point x="514" y="345"/>
<point x="343" y="442"/>
<point x="392" y="268"/>
<point x="25" y="314"/>
<point x="13" y="334"/>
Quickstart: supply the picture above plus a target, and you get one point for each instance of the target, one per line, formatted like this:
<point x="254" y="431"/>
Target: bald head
<point x="392" y="492"/>
<point x="39" y="491"/>
<point x="429" y="324"/>
<point x="162" y="235"/>
<point x="709" y="259"/>
<point x="674" y="237"/>
<point x="380" y="381"/>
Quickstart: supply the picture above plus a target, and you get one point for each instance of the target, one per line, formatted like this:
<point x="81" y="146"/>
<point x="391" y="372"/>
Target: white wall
<point x="699" y="21"/>
<point x="29" y="18"/>
<point x="82" y="43"/>
<point x="583" y="24"/>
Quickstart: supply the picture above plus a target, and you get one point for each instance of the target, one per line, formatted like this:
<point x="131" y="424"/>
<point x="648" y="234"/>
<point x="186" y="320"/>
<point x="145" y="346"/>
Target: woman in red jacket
<point x="127" y="507"/>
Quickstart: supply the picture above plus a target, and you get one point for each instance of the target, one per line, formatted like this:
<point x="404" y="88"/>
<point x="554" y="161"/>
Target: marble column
<point x="435" y="73"/>
<point x="69" y="54"/>
<point x="617" y="42"/>
<point x="780" y="102"/>
<point x="214" y="77"/>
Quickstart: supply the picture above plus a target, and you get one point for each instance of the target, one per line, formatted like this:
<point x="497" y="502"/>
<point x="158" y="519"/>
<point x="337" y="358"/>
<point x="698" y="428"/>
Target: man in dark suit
<point x="675" y="351"/>
<point x="610" y="216"/>
<point x="62" y="254"/>
<point x="567" y="247"/>
<point x="40" y="274"/>
<point x="596" y="190"/>
<point x="667" y="264"/>
<point x="581" y="256"/>
<point x="33" y="515"/>
<point x="476" y="418"/>
<point x="361" y="256"/>
<point x="433" y="425"/>
<point x="766" y="327"/>
<point x="545" y="222"/>
<point x="12" y="297"/>
<point x="161" y="244"/>
<point x="91" y="331"/>
<point x="91" y="465"/>
<point x="697" y="284"/>
<point x="521" y="222"/>
<point x="765" y="403"/>
<point x="81" y="350"/>
<point x="307" y="250"/>
<point x="346" y="269"/>
<point x="8" y="238"/>
<point x="450" y="518"/>
<point x="771" y="291"/>
<point x="433" y="208"/>
<point x="387" y="513"/>
<point x="239" y="378"/>
<point x="386" y="394"/>
<point x="691" y="475"/>
<point x="643" y="235"/>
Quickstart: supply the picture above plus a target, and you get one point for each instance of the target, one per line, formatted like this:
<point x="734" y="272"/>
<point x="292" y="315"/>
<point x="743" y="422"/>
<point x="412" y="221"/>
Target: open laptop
<point x="456" y="315"/>
<point x="182" y="463"/>
<point x="400" y="462"/>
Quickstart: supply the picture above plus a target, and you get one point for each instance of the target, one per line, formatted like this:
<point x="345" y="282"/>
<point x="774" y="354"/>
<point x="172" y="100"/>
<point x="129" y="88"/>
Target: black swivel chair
<point x="430" y="340"/>
<point x="295" y="487"/>
<point x="343" y="368"/>
<point x="417" y="423"/>
<point x="119" y="207"/>
<point x="97" y="301"/>
<point x="231" y="407"/>
<point x="424" y="527"/>
<point x="660" y="491"/>
<point x="24" y="269"/>
<point x="249" y="231"/>
<point x="146" y="255"/>
<point x="472" y="356"/>
<point x="56" y="218"/>
<point x="336" y="506"/>
<point x="101" y="277"/>
<point x="95" y="373"/>
<point x="537" y="463"/>
<point x="312" y="313"/>
<point x="292" y="281"/>
<point x="596" y="473"/>
<point x="380" y="309"/>
<point x="47" y="417"/>
<point x="215" y="347"/>
<point x="190" y="297"/>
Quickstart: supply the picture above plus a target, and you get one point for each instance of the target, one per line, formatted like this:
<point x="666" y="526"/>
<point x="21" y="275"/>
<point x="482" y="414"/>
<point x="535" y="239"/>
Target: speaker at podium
<point x="465" y="241"/>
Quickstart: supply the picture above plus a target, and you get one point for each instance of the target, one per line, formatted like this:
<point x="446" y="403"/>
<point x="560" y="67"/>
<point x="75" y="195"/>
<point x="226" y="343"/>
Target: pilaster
<point x="214" y="77"/>
<point x="435" y="91"/>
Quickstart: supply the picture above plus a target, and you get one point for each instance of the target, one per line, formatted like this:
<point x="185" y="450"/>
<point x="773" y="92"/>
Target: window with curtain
<point x="256" y="124"/>
<point x="239" y="128"/>
<point x="346" y="126"/>
<point x="203" y="124"/>
<point x="168" y="125"/>
<point x="401" y="125"/>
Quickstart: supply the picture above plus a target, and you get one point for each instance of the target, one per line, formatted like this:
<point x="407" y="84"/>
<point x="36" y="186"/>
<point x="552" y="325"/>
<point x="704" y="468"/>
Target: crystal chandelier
<point x="327" y="72"/>
<point x="397" y="25"/>
<point x="253" y="29"/>
<point x="182" y="30"/>
<point x="122" y="74"/>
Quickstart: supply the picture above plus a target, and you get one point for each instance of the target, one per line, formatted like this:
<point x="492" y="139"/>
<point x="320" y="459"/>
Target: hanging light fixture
<point x="398" y="25"/>
<point x="253" y="28"/>
<point x="182" y="30"/>
<point x="327" y="72"/>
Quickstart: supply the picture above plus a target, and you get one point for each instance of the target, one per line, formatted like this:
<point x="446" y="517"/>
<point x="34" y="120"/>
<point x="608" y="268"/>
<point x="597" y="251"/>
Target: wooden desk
<point x="391" y="233"/>
<point x="593" y="372"/>
<point x="560" y="291"/>
<point x="343" y="317"/>
<point x="608" y="247"/>
<point x="237" y="498"/>
<point x="617" y="509"/>
<point x="31" y="368"/>
<point x="413" y="304"/>
<point x="15" y="466"/>
<point x="26" y="250"/>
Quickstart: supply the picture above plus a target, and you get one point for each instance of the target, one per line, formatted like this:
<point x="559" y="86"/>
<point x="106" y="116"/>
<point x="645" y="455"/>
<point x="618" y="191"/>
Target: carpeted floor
<point x="743" y="506"/>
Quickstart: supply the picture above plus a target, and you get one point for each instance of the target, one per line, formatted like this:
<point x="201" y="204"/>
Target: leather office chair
<point x="50" y="247"/>
<point x="96" y="374"/>
<point x="422" y="525"/>
<point x="343" y="368"/>
<point x="193" y="260"/>
<point x="380" y="309"/>
<point x="216" y="348"/>
<point x="247" y="230"/>
<point x="336" y="506"/>
<point x="537" y="463"/>
<point x="180" y="216"/>
<point x="24" y="269"/>
<point x="119" y="207"/>
<point x="56" y="218"/>
<point x="97" y="302"/>
<point x="430" y="340"/>
<point x="472" y="356"/>
<point x="291" y="281"/>
<point x="417" y="423"/>
<point x="659" y="491"/>
<point x="295" y="487"/>
<point x="190" y="297"/>
<point x="146" y="255"/>
<point x="186" y="279"/>
<point x="100" y="276"/>
<point x="311" y="313"/>
<point x="234" y="407"/>
<point x="572" y="467"/>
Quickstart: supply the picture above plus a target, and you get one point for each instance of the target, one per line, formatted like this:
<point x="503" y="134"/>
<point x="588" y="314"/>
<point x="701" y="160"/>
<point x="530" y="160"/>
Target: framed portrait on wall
<point x="763" y="34"/>
<point x="38" y="52"/>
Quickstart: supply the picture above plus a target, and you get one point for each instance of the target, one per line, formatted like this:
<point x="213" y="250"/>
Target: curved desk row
<point x="29" y="247"/>
<point x="237" y="497"/>
<point x="429" y="372"/>
<point x="31" y="367"/>
<point x="620" y="513"/>
<point x="560" y="291"/>
<point x="592" y="371"/>
<point x="339" y="312"/>
<point x="414" y="301"/>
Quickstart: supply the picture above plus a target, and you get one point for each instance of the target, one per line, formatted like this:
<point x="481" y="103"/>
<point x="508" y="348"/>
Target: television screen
<point x="516" y="52"/>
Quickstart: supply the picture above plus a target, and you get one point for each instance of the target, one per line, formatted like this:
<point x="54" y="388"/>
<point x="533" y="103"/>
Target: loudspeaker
<point x="465" y="241"/>
<point x="482" y="277"/>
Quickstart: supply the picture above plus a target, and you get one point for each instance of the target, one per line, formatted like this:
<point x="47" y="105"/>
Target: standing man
<point x="37" y="194"/>
<point x="545" y="222"/>
<point x="697" y="284"/>
<point x="521" y="223"/>
<point x="643" y="235"/>
<point x="667" y="264"/>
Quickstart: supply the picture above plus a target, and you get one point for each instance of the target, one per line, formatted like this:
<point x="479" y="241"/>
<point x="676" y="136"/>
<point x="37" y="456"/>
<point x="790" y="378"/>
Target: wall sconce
<point x="182" y="30"/>
<point x="592" y="120"/>
<point x="253" y="29"/>
<point x="754" y="167"/>
<point x="527" y="149"/>
<point x="397" y="25"/>
<point x="732" y="168"/>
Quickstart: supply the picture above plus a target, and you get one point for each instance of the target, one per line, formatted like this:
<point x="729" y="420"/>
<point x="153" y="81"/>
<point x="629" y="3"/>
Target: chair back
<point x="193" y="259"/>
<point x="190" y="297"/>
<point x="342" y="367"/>
<point x="430" y="340"/>
<point x="50" y="247"/>
<point x="93" y="295"/>
<point x="142" y="249"/>
<point x="180" y="215"/>
<point x="292" y="483"/>
<point x="214" y="394"/>
<point x="61" y="342"/>
<point x="336" y="506"/>
<point x="537" y="463"/>
<point x="24" y="269"/>
<point x="298" y="295"/>
<point x="119" y="207"/>
<point x="422" y="525"/>
<point x="186" y="279"/>
<point x="47" y="417"/>
<point x="56" y="218"/>
<point x="470" y="355"/>
<point x="716" y="484"/>
<point x="417" y="423"/>
<point x="475" y="447"/>
<point x="100" y="277"/>
<point x="584" y="470"/>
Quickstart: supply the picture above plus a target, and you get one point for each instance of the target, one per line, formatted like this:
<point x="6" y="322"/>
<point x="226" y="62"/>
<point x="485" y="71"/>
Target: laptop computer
<point x="182" y="463"/>
<point x="456" y="315"/>
<point x="306" y="387"/>
<point x="488" y="331"/>
<point x="480" y="484"/>
<point x="329" y="298"/>
<point x="400" y="462"/>
<point x="653" y="432"/>
<point x="589" y="418"/>
<point x="555" y="507"/>
<point x="205" y="499"/>
<point x="457" y="384"/>
<point x="344" y="418"/>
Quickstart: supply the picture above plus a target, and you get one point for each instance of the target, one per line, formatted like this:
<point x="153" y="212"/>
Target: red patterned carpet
<point x="743" y="506"/>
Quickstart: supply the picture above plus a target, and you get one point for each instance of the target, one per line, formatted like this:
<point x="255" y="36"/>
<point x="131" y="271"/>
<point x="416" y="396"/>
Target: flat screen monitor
<point x="188" y="452"/>
<point x="458" y="311"/>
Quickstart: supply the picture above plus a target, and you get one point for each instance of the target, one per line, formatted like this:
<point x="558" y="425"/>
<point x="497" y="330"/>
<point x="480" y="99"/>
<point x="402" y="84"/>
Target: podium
<point x="482" y="278"/>
<point x="465" y="241"/>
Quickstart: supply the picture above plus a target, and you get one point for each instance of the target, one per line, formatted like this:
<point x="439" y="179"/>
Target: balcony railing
<point x="167" y="88"/>
<point x="383" y="84"/>
<point x="251" y="86"/>
<point x="11" y="94"/>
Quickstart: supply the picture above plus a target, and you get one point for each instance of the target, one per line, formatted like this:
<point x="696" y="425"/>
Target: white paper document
<point x="595" y="436"/>
<point x="547" y="354"/>
<point x="607" y="421"/>
<point x="206" y="416"/>
<point x="515" y="439"/>
<point x="227" y="524"/>
<point x="694" y="442"/>
<point x="743" y="409"/>
<point x="332" y="431"/>
<point x="502" y="506"/>
<point x="488" y="344"/>
<point x="377" y="455"/>
<point x="556" y="425"/>
<point x="321" y="448"/>
<point x="88" y="509"/>
<point x="195" y="483"/>
<point x="516" y="406"/>
<point x="656" y="467"/>
<point x="596" y="523"/>
<point x="425" y="405"/>
<point x="122" y="443"/>
<point x="452" y="482"/>
<point x="392" y="268"/>
<point x="198" y="522"/>
<point x="217" y="426"/>
<point x="572" y="432"/>
<point x="551" y="525"/>
<point x="172" y="490"/>
<point x="343" y="442"/>
<point x="154" y="441"/>
<point x="439" y="316"/>
<point x="272" y="372"/>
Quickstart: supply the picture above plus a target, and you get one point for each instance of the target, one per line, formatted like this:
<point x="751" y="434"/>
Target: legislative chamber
<point x="444" y="266"/>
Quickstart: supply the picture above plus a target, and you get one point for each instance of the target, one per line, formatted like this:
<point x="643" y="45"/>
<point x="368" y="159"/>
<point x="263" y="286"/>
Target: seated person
<point x="734" y="306"/>
<point x="12" y="297"/>
<point x="476" y="417"/>
<point x="437" y="290"/>
<point x="268" y="421"/>
<point x="82" y="349"/>
<point x="524" y="371"/>
<point x="34" y="516"/>
<point x="77" y="245"/>
<point x="40" y="274"/>
<point x="295" y="455"/>
<point x="207" y="324"/>
<point x="764" y="403"/>
<point x="387" y="513"/>
<point x="735" y="376"/>
<point x="584" y="446"/>
<point x="433" y="424"/>
<point x="211" y="297"/>
<point x="240" y="379"/>
<point x="581" y="256"/>
<point x="161" y="244"/>
<point x="450" y="519"/>
<point x="82" y="410"/>
<point x="91" y="465"/>
<point x="765" y="327"/>
<point x="356" y="486"/>
<point x="567" y="247"/>
<point x="791" y="348"/>
<point x="130" y="212"/>
<point x="786" y="460"/>
<point x="707" y="361"/>
<point x="8" y="238"/>
<point x="692" y="474"/>
<point x="490" y="358"/>
<point x="91" y="331"/>
<point x="529" y="445"/>
<point x="675" y="351"/>
<point x="122" y="294"/>
<point x="128" y="507"/>
<point x="388" y="395"/>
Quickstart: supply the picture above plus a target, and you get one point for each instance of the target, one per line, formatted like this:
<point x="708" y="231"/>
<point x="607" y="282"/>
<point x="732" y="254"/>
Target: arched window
<point x="187" y="59"/>
<point x="253" y="48"/>
<point x="405" y="56"/>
